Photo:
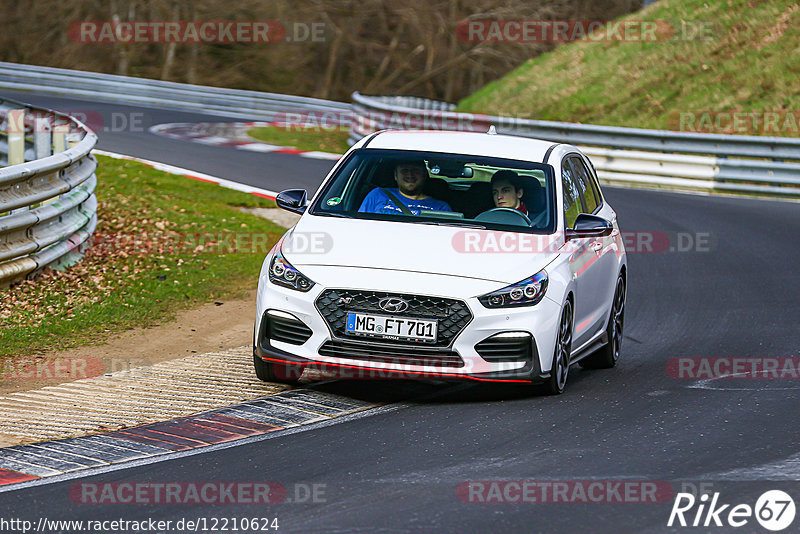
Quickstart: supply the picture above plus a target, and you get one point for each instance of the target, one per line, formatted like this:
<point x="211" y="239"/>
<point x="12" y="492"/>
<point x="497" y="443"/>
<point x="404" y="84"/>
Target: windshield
<point x="447" y="189"/>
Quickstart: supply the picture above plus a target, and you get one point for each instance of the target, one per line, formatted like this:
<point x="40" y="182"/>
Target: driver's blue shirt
<point x="378" y="202"/>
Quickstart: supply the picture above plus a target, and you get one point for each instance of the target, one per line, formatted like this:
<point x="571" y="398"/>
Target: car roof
<point x="479" y="144"/>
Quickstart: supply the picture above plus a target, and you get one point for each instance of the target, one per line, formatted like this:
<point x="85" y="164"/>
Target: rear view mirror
<point x="450" y="169"/>
<point x="294" y="200"/>
<point x="590" y="226"/>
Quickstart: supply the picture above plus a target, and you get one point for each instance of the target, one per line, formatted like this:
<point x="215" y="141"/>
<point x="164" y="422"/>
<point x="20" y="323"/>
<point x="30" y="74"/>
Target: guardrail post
<point x="60" y="132"/>
<point x="43" y="146"/>
<point x="15" y="118"/>
<point x="73" y="138"/>
<point x="42" y="142"/>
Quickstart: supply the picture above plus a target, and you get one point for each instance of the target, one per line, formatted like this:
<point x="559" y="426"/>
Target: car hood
<point x="504" y="257"/>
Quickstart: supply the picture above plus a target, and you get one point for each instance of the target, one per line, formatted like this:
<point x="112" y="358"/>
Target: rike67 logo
<point x="774" y="510"/>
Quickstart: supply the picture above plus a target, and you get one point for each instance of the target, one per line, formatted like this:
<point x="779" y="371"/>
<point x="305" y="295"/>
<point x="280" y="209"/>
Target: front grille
<point x="284" y="329"/>
<point x="452" y="315"/>
<point x="392" y="354"/>
<point x="505" y="349"/>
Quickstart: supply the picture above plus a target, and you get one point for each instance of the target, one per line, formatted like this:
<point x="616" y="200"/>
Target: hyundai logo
<point x="393" y="304"/>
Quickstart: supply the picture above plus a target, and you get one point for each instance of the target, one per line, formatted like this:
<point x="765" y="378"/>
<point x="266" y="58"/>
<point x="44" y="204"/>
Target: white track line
<point x="171" y="169"/>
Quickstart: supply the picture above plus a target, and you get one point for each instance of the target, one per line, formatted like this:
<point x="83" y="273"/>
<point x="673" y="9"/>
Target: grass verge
<point x="321" y="139"/>
<point x="163" y="243"/>
<point x="724" y="56"/>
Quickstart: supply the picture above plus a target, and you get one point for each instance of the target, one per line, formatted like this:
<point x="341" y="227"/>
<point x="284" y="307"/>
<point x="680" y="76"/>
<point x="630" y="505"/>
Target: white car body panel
<point x="419" y="248"/>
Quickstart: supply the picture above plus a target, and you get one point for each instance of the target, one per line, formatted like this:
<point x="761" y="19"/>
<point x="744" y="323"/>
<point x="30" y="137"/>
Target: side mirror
<point x="293" y="200"/>
<point x="590" y="226"/>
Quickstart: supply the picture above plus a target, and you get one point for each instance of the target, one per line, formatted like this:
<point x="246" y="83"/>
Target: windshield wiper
<point x="332" y="214"/>
<point x="408" y="219"/>
<point x="454" y="223"/>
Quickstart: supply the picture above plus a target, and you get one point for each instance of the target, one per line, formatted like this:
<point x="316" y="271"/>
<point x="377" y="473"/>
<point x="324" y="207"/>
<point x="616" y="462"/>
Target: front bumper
<point x="526" y="374"/>
<point x="313" y="350"/>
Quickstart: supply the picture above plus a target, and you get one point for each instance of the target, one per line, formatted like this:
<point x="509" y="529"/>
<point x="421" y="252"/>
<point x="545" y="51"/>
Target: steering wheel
<point x="504" y="216"/>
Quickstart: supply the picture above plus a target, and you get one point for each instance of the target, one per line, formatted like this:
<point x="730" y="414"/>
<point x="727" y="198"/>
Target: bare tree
<point x="374" y="46"/>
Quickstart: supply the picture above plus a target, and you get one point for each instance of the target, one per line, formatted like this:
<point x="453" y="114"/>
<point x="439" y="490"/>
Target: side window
<point x="595" y="183"/>
<point x="585" y="184"/>
<point x="572" y="205"/>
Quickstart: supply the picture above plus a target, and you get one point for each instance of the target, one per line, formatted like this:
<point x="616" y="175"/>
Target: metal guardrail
<point x="661" y="158"/>
<point x="48" y="210"/>
<point x="251" y="105"/>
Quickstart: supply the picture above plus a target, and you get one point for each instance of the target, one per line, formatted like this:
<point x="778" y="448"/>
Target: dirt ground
<point x="208" y="328"/>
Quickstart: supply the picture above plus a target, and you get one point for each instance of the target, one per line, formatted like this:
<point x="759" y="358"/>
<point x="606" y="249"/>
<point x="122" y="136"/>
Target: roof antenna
<point x="491" y="130"/>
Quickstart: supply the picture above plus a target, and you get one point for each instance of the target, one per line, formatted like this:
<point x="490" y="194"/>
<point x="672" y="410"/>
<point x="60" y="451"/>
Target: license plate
<point x="391" y="327"/>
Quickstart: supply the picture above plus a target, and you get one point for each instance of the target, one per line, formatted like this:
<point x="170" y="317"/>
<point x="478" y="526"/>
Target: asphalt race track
<point x="124" y="129"/>
<point x="398" y="469"/>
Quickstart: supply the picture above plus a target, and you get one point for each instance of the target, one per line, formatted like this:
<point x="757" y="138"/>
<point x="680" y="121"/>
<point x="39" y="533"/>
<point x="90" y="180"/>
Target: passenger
<point x="410" y="177"/>
<point x="507" y="191"/>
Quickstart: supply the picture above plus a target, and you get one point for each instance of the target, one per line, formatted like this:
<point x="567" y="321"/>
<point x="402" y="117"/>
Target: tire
<point x="280" y="373"/>
<point x="559" y="371"/>
<point x="607" y="356"/>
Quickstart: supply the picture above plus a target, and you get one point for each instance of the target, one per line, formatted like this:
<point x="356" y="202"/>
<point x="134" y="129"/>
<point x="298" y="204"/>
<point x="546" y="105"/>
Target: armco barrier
<point x="251" y="105"/>
<point x="660" y="158"/>
<point x="47" y="203"/>
<point x="657" y="158"/>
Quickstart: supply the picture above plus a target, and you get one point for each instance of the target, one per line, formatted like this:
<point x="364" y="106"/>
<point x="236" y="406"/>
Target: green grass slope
<point x="749" y="62"/>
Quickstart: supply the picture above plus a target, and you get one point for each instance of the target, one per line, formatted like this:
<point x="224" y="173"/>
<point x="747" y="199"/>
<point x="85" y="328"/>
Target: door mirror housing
<point x="294" y="200"/>
<point x="590" y="226"/>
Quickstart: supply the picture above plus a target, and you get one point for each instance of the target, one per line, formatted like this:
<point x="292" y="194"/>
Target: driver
<point x="410" y="177"/>
<point x="507" y="191"/>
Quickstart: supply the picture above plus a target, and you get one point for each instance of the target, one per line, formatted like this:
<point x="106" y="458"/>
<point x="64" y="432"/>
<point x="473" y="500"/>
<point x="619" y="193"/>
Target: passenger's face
<point x="410" y="178"/>
<point x="506" y="195"/>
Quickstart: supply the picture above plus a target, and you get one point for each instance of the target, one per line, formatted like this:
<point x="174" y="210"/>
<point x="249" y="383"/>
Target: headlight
<point x="525" y="293"/>
<point x="282" y="273"/>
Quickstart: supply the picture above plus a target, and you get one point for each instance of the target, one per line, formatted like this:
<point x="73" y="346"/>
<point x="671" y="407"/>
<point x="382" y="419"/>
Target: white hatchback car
<point x="446" y="255"/>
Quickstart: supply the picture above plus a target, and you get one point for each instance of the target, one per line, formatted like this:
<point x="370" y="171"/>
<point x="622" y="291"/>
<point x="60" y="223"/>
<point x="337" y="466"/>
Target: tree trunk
<point x="333" y="56"/>
<point x="169" y="56"/>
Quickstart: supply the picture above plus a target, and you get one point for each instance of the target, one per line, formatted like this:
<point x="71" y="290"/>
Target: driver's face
<point x="506" y="195"/>
<point x="410" y="178"/>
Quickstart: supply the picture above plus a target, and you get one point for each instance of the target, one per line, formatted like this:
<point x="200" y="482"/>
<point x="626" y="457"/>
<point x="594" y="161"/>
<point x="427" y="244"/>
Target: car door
<point x="597" y="269"/>
<point x="580" y="256"/>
